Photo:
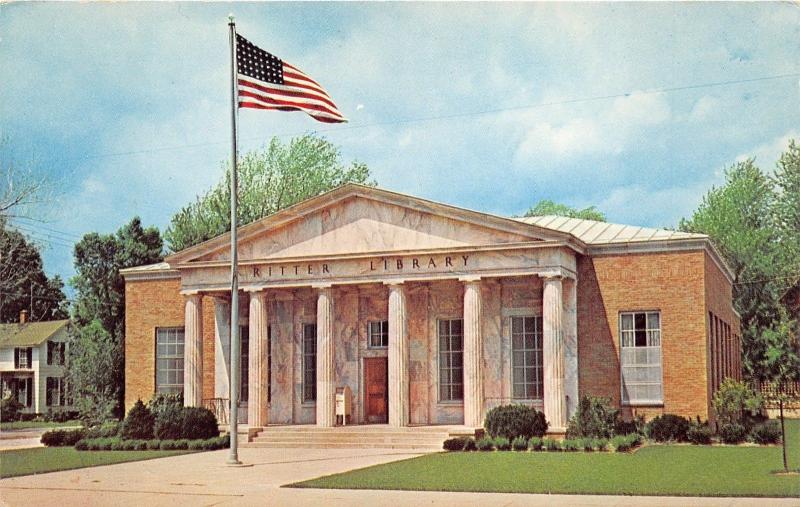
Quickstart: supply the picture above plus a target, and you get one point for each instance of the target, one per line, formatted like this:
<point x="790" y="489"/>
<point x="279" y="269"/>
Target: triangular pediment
<point x="363" y="220"/>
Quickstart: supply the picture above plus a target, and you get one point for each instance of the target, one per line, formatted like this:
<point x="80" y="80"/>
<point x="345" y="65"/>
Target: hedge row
<point x="620" y="443"/>
<point x="118" y="444"/>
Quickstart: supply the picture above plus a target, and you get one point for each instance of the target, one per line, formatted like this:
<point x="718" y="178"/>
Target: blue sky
<point x="126" y="106"/>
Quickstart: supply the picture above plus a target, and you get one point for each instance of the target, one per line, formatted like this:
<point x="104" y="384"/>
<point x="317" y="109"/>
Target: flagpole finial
<point x="231" y="18"/>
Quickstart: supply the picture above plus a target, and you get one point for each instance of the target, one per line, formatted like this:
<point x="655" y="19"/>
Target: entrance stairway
<point x="357" y="437"/>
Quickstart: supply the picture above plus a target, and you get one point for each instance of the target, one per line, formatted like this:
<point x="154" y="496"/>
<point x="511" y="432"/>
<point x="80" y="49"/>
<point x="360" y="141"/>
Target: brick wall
<point x="672" y="283"/>
<point x="158" y="303"/>
<point x="724" y="336"/>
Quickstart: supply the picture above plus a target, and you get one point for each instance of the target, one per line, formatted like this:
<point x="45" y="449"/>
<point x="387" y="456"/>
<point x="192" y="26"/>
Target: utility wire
<point x="461" y="115"/>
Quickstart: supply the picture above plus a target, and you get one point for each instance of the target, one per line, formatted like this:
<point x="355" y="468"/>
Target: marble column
<point x="222" y="347"/>
<point x="555" y="409"/>
<point x="398" y="357"/>
<point x="473" y="354"/>
<point x="193" y="351"/>
<point x="570" y="345"/>
<point x="326" y="368"/>
<point x="258" y="357"/>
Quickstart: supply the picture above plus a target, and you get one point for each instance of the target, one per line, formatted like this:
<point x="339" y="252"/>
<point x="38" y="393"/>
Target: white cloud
<point x="767" y="154"/>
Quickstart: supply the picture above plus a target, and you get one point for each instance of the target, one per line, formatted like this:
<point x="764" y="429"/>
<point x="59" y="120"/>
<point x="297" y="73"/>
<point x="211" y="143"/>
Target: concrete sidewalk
<point x="203" y="479"/>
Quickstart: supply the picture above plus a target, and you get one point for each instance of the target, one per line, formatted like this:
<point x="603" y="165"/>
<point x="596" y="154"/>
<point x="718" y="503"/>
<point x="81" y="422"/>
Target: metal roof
<point x="592" y="232"/>
<point x="29" y="334"/>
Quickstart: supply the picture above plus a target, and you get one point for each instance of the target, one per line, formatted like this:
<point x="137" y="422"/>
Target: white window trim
<point x="642" y="402"/>
<point x="170" y="328"/>
<point x="369" y="335"/>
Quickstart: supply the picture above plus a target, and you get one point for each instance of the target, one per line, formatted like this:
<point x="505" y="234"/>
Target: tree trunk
<point x="783" y="436"/>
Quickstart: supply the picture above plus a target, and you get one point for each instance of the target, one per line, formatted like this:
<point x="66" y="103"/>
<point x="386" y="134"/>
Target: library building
<point x="364" y="306"/>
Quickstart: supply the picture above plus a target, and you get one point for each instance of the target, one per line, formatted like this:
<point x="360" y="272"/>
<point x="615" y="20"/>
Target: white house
<point x="32" y="359"/>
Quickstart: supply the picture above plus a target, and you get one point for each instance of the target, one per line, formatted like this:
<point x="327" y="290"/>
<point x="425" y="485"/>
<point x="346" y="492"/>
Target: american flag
<point x="267" y="82"/>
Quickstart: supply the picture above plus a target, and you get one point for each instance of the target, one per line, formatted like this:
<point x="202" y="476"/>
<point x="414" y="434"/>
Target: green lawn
<point x="681" y="470"/>
<point x="50" y="459"/>
<point x="22" y="425"/>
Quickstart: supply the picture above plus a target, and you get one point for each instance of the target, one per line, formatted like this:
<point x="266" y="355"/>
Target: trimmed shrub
<point x="10" y="409"/>
<point x="60" y="438"/>
<point x="637" y="425"/>
<point x="82" y="445"/>
<point x="551" y="444"/>
<point x="153" y="444"/>
<point x="502" y="444"/>
<point x="138" y="424"/>
<point x="593" y="418"/>
<point x="169" y="422"/>
<point x="118" y="444"/>
<point x="182" y="444"/>
<point x="199" y="422"/>
<point x="485" y="444"/>
<point x="601" y="444"/>
<point x="536" y="444"/>
<point x="668" y="427"/>
<point x="587" y="444"/>
<point x="167" y="445"/>
<point x="197" y="445"/>
<point x="620" y="444"/>
<point x="767" y="433"/>
<point x="512" y="421"/>
<point x="699" y="434"/>
<point x="570" y="444"/>
<point x="454" y="444"/>
<point x="733" y="433"/>
<point x="161" y="400"/>
<point x="634" y="439"/>
<point x="469" y="444"/>
<point x="519" y="444"/>
<point x="107" y="429"/>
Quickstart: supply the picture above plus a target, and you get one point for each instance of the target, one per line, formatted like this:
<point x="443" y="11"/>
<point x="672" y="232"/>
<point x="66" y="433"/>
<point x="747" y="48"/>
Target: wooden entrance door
<point x="376" y="381"/>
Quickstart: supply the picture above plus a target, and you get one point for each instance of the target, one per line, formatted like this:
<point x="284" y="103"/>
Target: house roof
<point x="29" y="334"/>
<point x="592" y="232"/>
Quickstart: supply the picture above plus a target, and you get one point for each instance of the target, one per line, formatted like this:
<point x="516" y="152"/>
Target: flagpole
<point x="233" y="455"/>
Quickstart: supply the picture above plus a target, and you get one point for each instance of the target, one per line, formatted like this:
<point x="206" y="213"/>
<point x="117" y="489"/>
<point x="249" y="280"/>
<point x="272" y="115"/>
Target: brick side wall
<point x="724" y="344"/>
<point x="158" y="303"/>
<point x="669" y="282"/>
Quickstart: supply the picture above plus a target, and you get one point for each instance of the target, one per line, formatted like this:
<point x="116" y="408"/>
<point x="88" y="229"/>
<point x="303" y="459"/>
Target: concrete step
<point x="387" y="439"/>
<point x="350" y="434"/>
<point x="341" y="445"/>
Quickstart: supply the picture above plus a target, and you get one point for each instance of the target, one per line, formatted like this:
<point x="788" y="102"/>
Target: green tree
<point x="781" y="367"/>
<point x="547" y="207"/>
<point x="738" y="217"/>
<point x="23" y="282"/>
<point x="269" y="180"/>
<point x="787" y="220"/>
<point x="100" y="290"/>
<point x="94" y="369"/>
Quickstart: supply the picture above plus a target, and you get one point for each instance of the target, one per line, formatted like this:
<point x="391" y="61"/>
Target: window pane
<point x="640" y="321"/>
<point x="627" y="322"/>
<point x="641" y="338"/>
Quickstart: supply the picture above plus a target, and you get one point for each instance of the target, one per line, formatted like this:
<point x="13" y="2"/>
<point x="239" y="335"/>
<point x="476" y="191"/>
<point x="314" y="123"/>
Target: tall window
<point x="526" y="357"/>
<point x="309" y="362"/>
<point x="57" y="392"/>
<point x="451" y="360"/>
<point x="269" y="364"/>
<point x="378" y="334"/>
<point x="640" y="357"/>
<point x="23" y="358"/>
<point x="56" y="352"/>
<point x="244" y="343"/>
<point x="169" y="360"/>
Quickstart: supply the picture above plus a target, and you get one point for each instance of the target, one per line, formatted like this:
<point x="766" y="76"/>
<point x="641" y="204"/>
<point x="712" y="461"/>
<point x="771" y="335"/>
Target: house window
<point x="19" y="388"/>
<point x="451" y="360"/>
<point x="526" y="357"/>
<point x="57" y="392"/>
<point x="640" y="357"/>
<point x="169" y="360"/>
<point x="309" y="362"/>
<point x="244" y="348"/>
<point x="56" y="352"/>
<point x="23" y="358"/>
<point x="378" y="334"/>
